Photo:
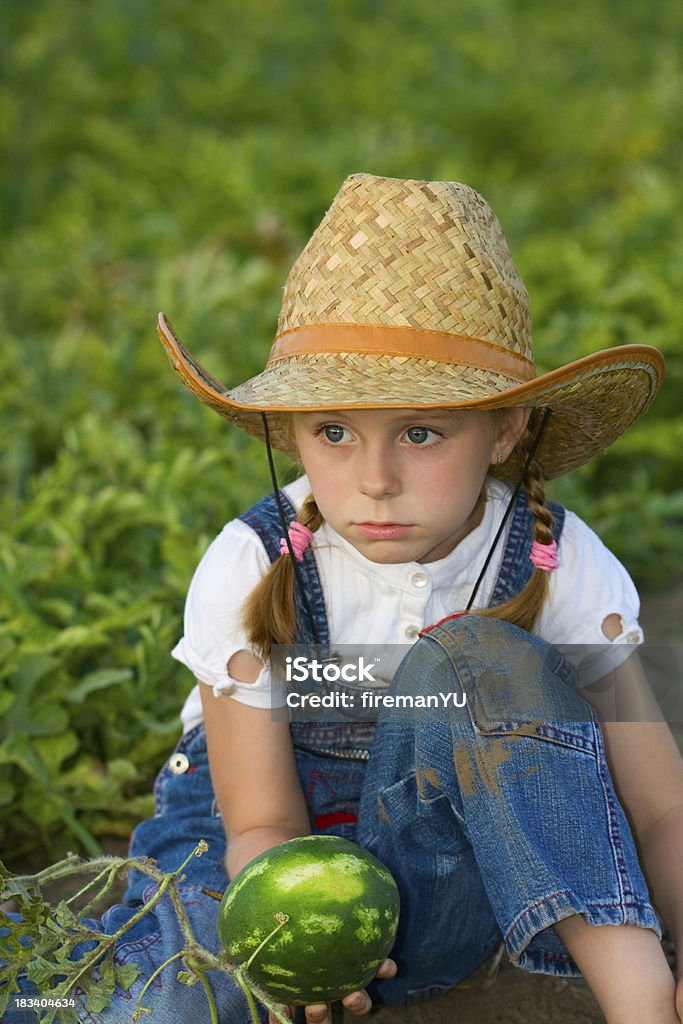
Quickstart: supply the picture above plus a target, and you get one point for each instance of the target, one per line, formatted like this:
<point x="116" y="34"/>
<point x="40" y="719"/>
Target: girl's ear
<point x="511" y="425"/>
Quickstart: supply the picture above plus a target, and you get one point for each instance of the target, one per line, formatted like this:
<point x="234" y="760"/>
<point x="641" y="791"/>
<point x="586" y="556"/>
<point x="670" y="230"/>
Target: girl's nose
<point x="378" y="475"/>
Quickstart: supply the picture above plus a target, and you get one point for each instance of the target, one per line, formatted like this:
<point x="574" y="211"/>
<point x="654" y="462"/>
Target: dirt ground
<point x="514" y="996"/>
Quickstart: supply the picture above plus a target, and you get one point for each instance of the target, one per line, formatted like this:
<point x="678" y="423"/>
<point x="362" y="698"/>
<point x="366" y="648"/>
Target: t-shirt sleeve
<point x="232" y="565"/>
<point x="590" y="585"/>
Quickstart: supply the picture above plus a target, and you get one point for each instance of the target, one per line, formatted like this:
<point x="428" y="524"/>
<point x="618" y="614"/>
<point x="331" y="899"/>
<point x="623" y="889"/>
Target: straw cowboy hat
<point x="406" y="296"/>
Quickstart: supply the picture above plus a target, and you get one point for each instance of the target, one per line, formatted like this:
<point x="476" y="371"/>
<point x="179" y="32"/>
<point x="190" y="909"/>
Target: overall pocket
<point x="332" y="788"/>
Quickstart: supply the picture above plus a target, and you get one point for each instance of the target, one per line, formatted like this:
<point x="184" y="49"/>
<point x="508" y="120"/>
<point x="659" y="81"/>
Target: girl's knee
<point x="502" y="674"/>
<point x="490" y="637"/>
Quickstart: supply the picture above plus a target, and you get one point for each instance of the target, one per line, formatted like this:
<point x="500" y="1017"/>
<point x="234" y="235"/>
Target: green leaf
<point x="80" y="637"/>
<point x="33" y="668"/>
<point x="65" y="916"/>
<point x="67" y="1015"/>
<point x="43" y="718"/>
<point x="101" y="679"/>
<point x="54" y="750"/>
<point x="98" y="997"/>
<point x="7" y="792"/>
<point x="126" y="974"/>
<point x="17" y="749"/>
<point x="17" y="886"/>
<point x="15" y="949"/>
<point x="40" y="806"/>
<point x="41" y="971"/>
<point x="7" y="646"/>
<point x="6" y="701"/>
<point x="100" y="988"/>
<point x="13" y="592"/>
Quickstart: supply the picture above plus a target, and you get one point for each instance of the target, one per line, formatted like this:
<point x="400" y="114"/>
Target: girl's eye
<point x="334" y="433"/>
<point x="422" y="436"/>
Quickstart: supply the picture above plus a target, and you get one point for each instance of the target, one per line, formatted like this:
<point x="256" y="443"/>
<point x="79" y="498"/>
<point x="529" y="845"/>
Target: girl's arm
<point x="256" y="782"/>
<point x="254" y="773"/>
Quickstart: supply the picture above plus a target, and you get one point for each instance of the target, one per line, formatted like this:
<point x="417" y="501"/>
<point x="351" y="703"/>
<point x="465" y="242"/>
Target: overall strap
<point x="264" y="519"/>
<point x="348" y="740"/>
<point x="516" y="567"/>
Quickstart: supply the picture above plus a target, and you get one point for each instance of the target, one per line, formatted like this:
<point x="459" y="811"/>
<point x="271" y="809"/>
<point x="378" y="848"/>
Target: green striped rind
<point x="342" y="905"/>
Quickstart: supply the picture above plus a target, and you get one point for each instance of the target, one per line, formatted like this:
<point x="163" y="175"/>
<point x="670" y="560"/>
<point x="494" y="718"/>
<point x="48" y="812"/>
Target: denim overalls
<point x="495" y="827"/>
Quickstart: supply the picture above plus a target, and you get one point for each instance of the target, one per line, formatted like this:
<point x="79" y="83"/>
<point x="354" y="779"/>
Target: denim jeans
<point x="497" y="820"/>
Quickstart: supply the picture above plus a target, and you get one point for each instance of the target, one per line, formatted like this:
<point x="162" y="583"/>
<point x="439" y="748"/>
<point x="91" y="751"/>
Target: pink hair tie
<point x="544" y="556"/>
<point x="299" y="537"/>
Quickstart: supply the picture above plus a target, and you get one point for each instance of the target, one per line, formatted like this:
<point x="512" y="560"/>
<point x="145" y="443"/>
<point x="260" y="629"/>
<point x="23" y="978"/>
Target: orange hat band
<point x="410" y="342"/>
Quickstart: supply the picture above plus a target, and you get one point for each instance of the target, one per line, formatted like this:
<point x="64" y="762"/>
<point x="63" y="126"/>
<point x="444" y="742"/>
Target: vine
<point x="39" y="941"/>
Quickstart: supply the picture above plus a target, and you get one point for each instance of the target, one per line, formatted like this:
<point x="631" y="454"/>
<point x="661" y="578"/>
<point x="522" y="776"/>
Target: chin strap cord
<point x="513" y="497"/>
<point x="285" y="532"/>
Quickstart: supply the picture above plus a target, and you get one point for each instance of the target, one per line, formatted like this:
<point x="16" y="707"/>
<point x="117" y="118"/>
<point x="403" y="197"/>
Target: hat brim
<point x="593" y="399"/>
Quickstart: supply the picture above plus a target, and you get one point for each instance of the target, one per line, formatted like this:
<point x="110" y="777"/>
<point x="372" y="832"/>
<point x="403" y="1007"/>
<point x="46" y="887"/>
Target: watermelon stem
<point x="142" y="1009"/>
<point x="168" y="881"/>
<point x="250" y="990"/>
<point x="108" y="877"/>
<point x="209" y="995"/>
<point x="282" y="919"/>
<point x="247" y="995"/>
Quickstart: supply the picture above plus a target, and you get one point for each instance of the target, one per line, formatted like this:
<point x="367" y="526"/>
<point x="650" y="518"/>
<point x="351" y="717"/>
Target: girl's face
<point x="403" y="485"/>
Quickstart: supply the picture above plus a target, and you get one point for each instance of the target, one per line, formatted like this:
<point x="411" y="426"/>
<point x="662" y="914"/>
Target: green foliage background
<point x="176" y="156"/>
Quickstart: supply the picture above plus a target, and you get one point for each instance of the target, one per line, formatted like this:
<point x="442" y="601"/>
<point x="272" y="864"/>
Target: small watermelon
<point x="331" y="909"/>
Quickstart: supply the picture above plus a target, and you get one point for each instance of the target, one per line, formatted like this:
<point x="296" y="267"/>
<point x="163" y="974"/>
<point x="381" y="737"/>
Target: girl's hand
<point x="358" y="1003"/>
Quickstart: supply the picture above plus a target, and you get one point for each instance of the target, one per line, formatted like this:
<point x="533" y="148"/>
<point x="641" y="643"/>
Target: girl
<point x="402" y="379"/>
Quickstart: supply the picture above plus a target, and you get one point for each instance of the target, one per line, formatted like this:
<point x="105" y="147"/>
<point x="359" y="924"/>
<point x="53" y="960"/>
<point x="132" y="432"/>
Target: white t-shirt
<point x="369" y="603"/>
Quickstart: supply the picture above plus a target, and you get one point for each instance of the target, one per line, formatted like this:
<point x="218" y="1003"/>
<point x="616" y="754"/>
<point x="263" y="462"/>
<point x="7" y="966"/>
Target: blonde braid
<point x="269" y="614"/>
<point x="524" y="608"/>
<point x="543" y="517"/>
<point x="310" y="515"/>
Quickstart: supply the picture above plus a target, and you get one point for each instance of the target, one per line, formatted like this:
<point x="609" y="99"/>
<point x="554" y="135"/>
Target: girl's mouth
<point x="382" y="531"/>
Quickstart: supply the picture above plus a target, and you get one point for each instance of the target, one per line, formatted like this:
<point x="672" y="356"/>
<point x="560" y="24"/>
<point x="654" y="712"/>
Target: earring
<point x="499" y="459"/>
